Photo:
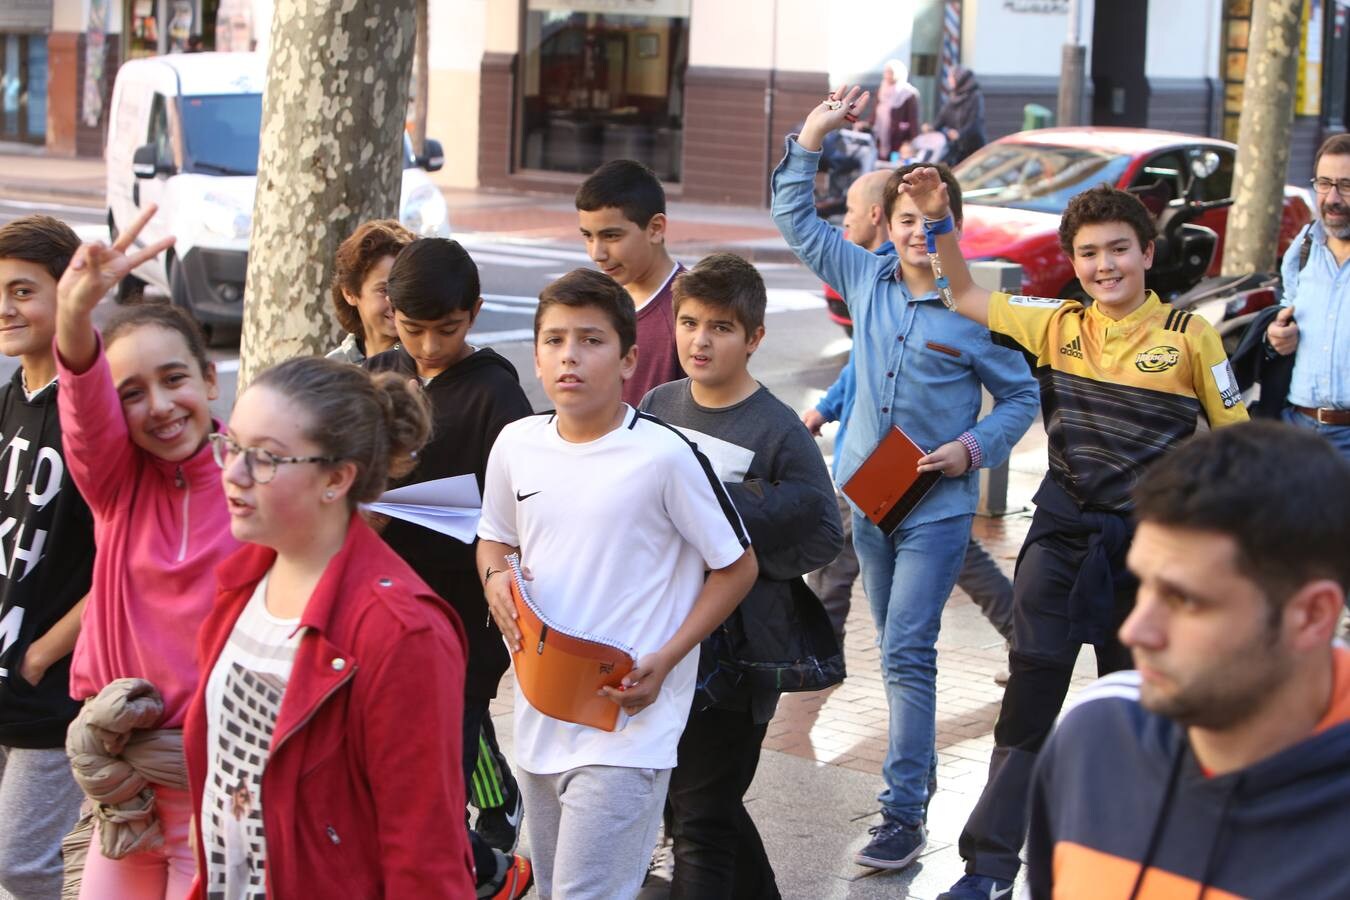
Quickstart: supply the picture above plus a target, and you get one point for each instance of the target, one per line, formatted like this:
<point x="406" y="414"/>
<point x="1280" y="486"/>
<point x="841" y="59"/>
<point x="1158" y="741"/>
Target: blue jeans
<point x="908" y="577"/>
<point x="1338" y="435"/>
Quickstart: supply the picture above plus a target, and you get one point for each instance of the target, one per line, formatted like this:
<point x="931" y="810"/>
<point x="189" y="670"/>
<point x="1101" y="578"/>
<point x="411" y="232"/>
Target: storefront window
<point x="603" y="79"/>
<point x="23" y="88"/>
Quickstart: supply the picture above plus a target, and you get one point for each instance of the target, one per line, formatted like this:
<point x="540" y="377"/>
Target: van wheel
<point x="130" y="289"/>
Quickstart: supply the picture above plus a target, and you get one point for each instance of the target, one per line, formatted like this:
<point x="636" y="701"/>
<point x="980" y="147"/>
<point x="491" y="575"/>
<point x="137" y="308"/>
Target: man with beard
<point x="1218" y="767"/>
<point x="1316" y="280"/>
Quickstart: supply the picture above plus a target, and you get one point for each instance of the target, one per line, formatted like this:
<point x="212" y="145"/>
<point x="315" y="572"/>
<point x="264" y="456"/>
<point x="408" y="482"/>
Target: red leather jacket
<point x="363" y="793"/>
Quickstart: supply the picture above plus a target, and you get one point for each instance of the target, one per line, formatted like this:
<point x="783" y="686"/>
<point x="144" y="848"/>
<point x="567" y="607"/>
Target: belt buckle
<point x="1321" y="415"/>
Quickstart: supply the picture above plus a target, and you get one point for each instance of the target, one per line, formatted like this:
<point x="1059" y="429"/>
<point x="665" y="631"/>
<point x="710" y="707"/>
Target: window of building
<point x="23" y="88"/>
<point x="600" y="80"/>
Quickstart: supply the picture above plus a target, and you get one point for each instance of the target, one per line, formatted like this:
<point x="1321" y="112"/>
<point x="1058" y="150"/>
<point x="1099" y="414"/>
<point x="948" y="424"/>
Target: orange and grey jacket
<point x="1121" y="810"/>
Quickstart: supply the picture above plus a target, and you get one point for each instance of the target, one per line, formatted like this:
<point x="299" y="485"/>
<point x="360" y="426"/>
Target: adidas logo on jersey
<point x="1073" y="348"/>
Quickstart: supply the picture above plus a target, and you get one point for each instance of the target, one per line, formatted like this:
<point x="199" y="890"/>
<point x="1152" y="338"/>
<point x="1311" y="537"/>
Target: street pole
<point x="1073" y="60"/>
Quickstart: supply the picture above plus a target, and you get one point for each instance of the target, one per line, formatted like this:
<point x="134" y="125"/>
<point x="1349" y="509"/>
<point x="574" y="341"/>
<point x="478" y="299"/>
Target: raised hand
<point x="96" y="269"/>
<point x="928" y="192"/>
<point x="841" y="107"/>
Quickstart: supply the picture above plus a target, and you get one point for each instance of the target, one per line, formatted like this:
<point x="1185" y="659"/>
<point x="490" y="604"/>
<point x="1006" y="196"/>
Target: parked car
<point x="183" y="133"/>
<point x="1015" y="190"/>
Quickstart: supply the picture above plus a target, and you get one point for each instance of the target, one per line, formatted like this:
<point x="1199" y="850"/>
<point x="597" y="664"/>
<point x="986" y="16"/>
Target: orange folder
<point x="560" y="671"/>
<point x="888" y="485"/>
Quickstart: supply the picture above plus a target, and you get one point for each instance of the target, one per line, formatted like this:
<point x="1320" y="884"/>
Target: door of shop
<point x="1119" y="41"/>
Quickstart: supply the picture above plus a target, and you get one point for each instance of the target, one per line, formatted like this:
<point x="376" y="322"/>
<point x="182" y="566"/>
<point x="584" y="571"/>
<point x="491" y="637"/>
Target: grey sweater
<point x="776" y="477"/>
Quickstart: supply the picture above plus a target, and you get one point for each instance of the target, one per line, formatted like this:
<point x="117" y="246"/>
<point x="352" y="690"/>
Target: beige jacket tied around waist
<point x="116" y="755"/>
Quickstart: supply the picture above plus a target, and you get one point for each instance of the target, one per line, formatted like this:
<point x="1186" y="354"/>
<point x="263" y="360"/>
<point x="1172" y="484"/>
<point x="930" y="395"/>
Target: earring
<point x="328" y="495"/>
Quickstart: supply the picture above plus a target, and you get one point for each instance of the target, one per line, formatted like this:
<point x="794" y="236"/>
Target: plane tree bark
<point x="331" y="157"/>
<point x="1264" y="128"/>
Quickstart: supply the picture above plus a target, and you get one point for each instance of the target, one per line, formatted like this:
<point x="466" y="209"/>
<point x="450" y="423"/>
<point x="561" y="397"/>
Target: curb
<point x="92" y="197"/>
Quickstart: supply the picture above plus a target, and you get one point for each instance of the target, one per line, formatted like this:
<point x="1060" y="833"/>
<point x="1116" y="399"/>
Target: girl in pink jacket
<point x="135" y="417"/>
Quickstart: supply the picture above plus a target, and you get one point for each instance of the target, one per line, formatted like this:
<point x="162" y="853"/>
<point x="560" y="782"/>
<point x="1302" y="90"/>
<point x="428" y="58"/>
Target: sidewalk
<point x="815" y="794"/>
<point x="695" y="229"/>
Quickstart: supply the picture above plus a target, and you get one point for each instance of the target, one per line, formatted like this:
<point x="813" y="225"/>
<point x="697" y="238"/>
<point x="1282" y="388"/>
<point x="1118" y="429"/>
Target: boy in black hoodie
<point x="474" y="392"/>
<point x="46" y="557"/>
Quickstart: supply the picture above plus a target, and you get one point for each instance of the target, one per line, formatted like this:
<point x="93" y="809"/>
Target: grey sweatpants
<point x="39" y="802"/>
<point x="592" y="829"/>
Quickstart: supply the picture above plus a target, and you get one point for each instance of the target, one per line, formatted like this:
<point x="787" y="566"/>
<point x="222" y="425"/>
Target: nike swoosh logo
<point x="995" y="895"/>
<point x="522" y="497"/>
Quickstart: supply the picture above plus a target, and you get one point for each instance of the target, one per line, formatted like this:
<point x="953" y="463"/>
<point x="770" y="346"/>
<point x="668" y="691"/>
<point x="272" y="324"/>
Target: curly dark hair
<point x="371" y="242"/>
<point x="1102" y="204"/>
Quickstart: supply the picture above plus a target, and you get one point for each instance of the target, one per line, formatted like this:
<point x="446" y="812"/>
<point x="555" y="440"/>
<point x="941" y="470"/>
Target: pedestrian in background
<point x="896" y="119"/>
<point x="961" y="118"/>
<point x="360" y="298"/>
<point x="1316" y="287"/>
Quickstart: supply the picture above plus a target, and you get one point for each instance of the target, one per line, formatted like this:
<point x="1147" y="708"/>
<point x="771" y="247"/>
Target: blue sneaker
<point x="894" y="845"/>
<point x="979" y="887"/>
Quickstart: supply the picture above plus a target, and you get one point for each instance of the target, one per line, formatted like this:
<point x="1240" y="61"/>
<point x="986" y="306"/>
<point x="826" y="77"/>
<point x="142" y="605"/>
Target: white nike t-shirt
<point x="618" y="533"/>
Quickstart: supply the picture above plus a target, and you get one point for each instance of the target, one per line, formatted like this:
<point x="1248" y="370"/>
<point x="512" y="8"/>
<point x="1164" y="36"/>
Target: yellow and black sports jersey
<point x="1117" y="394"/>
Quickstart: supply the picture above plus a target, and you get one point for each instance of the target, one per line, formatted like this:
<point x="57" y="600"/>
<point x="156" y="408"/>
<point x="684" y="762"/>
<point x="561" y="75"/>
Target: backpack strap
<point x="1305" y="249"/>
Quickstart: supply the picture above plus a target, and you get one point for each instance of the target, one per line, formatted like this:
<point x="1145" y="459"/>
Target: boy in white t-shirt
<point x="617" y="517"/>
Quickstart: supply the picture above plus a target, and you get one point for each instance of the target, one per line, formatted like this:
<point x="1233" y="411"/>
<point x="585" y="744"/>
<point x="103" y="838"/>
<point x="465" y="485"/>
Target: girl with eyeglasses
<point x="323" y="743"/>
<point x="135" y="416"/>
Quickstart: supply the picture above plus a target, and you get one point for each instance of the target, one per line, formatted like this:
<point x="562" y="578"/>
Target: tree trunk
<point x="1267" y="118"/>
<point x="420" y="78"/>
<point x="331" y="157"/>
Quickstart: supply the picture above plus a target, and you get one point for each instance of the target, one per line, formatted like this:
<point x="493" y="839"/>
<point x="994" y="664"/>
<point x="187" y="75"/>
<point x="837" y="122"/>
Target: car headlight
<point x="223" y="216"/>
<point x="425" y="213"/>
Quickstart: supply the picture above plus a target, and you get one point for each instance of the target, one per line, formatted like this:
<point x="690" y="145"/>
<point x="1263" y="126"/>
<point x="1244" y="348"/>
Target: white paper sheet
<point x="450" y="506"/>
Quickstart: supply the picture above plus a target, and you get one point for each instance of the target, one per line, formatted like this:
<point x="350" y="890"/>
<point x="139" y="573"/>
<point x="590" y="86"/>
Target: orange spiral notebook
<point x="560" y="670"/>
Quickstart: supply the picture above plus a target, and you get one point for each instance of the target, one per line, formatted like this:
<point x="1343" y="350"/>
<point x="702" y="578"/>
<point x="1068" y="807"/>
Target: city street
<point x="799" y="358"/>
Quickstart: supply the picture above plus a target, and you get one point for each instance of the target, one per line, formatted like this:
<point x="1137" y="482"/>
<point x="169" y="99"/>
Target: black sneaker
<point x="894" y="845"/>
<point x="979" y="887"/>
<point x="500" y="825"/>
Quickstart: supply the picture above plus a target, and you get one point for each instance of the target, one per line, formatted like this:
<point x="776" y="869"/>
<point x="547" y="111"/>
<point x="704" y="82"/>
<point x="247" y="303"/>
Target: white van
<point x="183" y="133"/>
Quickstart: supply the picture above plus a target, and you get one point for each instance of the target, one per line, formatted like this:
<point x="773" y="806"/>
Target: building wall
<point x="458" y="31"/>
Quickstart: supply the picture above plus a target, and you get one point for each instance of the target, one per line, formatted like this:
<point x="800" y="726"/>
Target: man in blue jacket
<point x="1218" y="767"/>
<point x="920" y="368"/>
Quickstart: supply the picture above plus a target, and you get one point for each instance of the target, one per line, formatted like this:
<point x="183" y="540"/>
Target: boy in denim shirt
<point x="920" y="368"/>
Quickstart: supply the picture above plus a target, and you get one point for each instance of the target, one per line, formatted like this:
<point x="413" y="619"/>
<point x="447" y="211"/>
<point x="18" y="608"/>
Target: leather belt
<point x="1326" y="416"/>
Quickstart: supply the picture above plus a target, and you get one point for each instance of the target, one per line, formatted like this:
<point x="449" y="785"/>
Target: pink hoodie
<point x="160" y="528"/>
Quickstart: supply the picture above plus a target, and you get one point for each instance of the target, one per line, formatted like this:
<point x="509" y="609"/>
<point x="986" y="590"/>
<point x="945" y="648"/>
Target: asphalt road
<point x="799" y="358"/>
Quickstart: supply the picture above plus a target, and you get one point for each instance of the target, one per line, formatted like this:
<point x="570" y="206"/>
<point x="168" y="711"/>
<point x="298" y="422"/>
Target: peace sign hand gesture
<point x="841" y="107"/>
<point x="96" y="269"/>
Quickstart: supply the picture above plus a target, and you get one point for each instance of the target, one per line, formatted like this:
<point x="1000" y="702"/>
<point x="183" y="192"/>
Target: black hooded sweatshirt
<point x="46" y="561"/>
<point x="471" y="402"/>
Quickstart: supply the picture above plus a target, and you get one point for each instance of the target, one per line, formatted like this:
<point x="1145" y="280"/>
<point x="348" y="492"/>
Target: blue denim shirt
<point x="1320" y="295"/>
<point x="918" y="365"/>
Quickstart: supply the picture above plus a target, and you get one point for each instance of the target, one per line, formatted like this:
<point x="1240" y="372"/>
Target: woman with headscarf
<point x="897" y="109"/>
<point x="962" y="116"/>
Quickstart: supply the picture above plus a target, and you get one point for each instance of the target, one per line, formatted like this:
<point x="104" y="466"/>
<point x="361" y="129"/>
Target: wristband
<point x="489" y="573"/>
<point x="931" y="229"/>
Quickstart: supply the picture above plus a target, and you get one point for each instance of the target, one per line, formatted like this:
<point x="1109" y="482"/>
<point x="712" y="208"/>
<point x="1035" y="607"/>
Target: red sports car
<point x="1015" y="189"/>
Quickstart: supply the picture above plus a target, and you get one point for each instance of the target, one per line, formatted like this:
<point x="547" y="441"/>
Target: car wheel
<point x="130" y="289"/>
